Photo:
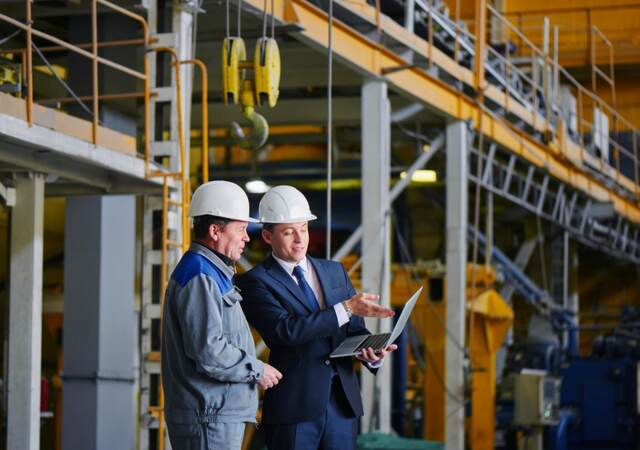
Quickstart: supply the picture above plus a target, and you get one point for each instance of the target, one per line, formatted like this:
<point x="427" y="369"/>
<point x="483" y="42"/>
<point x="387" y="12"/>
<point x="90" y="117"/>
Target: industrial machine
<point x="589" y="402"/>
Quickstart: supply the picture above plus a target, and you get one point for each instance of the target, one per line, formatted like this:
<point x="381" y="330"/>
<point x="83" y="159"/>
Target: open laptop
<point x="353" y="345"/>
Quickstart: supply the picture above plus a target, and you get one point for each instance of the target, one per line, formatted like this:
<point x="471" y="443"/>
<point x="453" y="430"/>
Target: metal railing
<point x="619" y="140"/>
<point x="92" y="55"/>
<point x="531" y="79"/>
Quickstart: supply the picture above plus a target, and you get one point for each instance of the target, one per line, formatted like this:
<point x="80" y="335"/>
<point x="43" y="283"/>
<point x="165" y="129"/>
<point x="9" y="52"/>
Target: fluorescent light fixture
<point x="256" y="187"/>
<point x="422" y="176"/>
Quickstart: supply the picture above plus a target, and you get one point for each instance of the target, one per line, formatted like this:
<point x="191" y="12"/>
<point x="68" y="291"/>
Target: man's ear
<point x="213" y="232"/>
<point x="266" y="236"/>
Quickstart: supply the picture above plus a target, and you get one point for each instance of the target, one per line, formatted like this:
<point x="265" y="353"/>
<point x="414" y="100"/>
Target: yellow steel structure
<point x="494" y="317"/>
<point x="560" y="158"/>
<point x="489" y="318"/>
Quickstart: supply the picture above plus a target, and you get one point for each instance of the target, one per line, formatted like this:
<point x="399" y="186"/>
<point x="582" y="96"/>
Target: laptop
<point x="353" y="345"/>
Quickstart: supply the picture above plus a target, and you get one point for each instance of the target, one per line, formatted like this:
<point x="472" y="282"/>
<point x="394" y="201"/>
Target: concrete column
<point x="376" y="144"/>
<point x="99" y="323"/>
<point x="25" y="315"/>
<point x="457" y="221"/>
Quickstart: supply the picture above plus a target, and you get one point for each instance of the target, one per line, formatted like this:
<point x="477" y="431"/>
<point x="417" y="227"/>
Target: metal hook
<point x="258" y="134"/>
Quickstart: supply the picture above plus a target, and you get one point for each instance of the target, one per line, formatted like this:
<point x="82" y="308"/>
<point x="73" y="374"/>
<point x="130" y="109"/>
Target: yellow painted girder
<point x="369" y="58"/>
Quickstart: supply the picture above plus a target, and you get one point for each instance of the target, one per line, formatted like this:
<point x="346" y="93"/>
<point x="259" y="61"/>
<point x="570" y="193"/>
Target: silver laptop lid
<point x="404" y="316"/>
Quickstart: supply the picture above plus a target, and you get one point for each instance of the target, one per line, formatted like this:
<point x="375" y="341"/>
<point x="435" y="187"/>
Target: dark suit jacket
<point x="299" y="340"/>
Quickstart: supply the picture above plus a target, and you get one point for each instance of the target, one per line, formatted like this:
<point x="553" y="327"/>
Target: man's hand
<point x="364" y="305"/>
<point x="368" y="355"/>
<point x="270" y="377"/>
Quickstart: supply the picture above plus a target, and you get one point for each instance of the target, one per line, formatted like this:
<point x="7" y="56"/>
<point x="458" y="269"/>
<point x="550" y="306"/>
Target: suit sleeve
<point x="198" y="309"/>
<point x="356" y="325"/>
<point x="276" y="325"/>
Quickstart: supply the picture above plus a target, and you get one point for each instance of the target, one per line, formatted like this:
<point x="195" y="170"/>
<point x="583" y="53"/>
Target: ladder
<point x="165" y="234"/>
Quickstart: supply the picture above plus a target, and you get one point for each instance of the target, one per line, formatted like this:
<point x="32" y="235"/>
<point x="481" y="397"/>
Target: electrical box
<point x="601" y="133"/>
<point x="537" y="398"/>
<point x="569" y="109"/>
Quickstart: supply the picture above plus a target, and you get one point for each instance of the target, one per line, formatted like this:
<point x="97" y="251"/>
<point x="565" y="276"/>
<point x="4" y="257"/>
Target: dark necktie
<point x="309" y="296"/>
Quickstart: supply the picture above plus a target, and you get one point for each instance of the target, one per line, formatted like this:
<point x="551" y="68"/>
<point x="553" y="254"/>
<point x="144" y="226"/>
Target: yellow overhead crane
<point x="263" y="89"/>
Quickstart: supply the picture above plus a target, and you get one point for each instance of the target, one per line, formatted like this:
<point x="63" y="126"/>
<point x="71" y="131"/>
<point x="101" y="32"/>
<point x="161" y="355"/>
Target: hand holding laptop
<point x="364" y="305"/>
<point x="369" y="355"/>
<point x="366" y="344"/>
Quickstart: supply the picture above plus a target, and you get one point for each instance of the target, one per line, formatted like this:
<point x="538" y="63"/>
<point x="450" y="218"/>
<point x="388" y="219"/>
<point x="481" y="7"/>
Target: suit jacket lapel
<point x="323" y="277"/>
<point x="276" y="271"/>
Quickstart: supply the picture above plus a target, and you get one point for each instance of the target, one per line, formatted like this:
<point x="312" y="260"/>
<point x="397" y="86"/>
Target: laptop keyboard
<point x="375" y="341"/>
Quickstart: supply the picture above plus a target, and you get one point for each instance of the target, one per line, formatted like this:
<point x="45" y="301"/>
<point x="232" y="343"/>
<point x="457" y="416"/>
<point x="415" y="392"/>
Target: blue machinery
<point x="599" y="395"/>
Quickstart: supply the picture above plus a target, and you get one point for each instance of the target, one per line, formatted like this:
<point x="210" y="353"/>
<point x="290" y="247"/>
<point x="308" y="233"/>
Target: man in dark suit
<point x="303" y="308"/>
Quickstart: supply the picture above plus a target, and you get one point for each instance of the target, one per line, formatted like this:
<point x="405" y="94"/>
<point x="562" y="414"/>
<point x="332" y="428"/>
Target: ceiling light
<point x="422" y="176"/>
<point x="256" y="187"/>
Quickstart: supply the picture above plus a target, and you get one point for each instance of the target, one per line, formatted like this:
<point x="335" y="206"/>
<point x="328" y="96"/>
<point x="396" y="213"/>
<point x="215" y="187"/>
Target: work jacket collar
<point x="200" y="249"/>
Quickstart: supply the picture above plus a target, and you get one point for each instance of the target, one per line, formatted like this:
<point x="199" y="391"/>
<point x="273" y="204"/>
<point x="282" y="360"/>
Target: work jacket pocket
<point x="233" y="321"/>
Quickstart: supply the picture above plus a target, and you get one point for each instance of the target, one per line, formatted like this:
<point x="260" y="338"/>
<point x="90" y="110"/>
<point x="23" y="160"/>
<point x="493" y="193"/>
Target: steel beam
<point x="370" y="58"/>
<point x="376" y="169"/>
<point x="456" y="263"/>
<point x="25" y="315"/>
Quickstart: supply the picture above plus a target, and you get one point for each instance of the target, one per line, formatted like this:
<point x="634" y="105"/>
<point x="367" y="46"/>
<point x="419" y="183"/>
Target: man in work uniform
<point x="209" y="368"/>
<point x="304" y="307"/>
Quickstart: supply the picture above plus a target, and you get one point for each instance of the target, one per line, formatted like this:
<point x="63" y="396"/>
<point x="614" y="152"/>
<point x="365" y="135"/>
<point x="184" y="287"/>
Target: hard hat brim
<point x="240" y="219"/>
<point x="293" y="220"/>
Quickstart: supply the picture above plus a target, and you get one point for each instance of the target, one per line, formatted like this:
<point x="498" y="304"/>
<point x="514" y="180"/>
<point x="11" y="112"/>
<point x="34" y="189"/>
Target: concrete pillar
<point x="376" y="144"/>
<point x="99" y="323"/>
<point x="25" y="315"/>
<point x="457" y="221"/>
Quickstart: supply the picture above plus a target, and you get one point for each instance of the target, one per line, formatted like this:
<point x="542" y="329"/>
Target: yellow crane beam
<point x="370" y="58"/>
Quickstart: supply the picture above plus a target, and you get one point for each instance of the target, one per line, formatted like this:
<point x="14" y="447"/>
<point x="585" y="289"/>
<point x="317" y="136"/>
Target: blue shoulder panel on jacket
<point x="192" y="265"/>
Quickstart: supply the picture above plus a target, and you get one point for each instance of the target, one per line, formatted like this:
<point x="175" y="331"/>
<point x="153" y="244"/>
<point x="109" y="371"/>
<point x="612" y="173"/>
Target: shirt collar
<point x="200" y="249"/>
<point x="289" y="266"/>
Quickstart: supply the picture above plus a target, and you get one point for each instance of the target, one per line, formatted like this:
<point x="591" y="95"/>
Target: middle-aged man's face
<point x="231" y="239"/>
<point x="288" y="241"/>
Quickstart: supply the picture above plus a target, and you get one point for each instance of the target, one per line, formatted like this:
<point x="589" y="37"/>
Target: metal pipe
<point x="205" y="116"/>
<point x="29" y="30"/>
<point x="103" y="97"/>
<point x="480" y="27"/>
<point x="94" y="68"/>
<point x="163" y="281"/>
<point x="57" y="48"/>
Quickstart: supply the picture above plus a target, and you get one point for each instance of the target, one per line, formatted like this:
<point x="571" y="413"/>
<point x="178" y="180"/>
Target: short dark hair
<point x="268" y="227"/>
<point x="201" y="225"/>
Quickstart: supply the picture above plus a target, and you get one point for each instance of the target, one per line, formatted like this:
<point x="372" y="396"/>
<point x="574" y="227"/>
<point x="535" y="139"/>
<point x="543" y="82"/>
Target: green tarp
<point x="379" y="441"/>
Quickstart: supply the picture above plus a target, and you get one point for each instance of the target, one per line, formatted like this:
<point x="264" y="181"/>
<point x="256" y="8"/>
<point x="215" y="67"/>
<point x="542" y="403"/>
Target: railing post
<point x="481" y="35"/>
<point x="94" y="64"/>
<point x="29" y="65"/>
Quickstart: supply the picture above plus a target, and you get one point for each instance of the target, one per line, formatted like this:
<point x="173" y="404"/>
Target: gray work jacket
<point x="209" y="367"/>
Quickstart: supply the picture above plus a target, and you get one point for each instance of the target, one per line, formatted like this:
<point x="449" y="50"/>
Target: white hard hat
<point x="222" y="199"/>
<point x="284" y="204"/>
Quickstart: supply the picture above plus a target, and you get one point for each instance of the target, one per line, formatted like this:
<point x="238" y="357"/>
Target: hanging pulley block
<point x="233" y="53"/>
<point x="266" y="63"/>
